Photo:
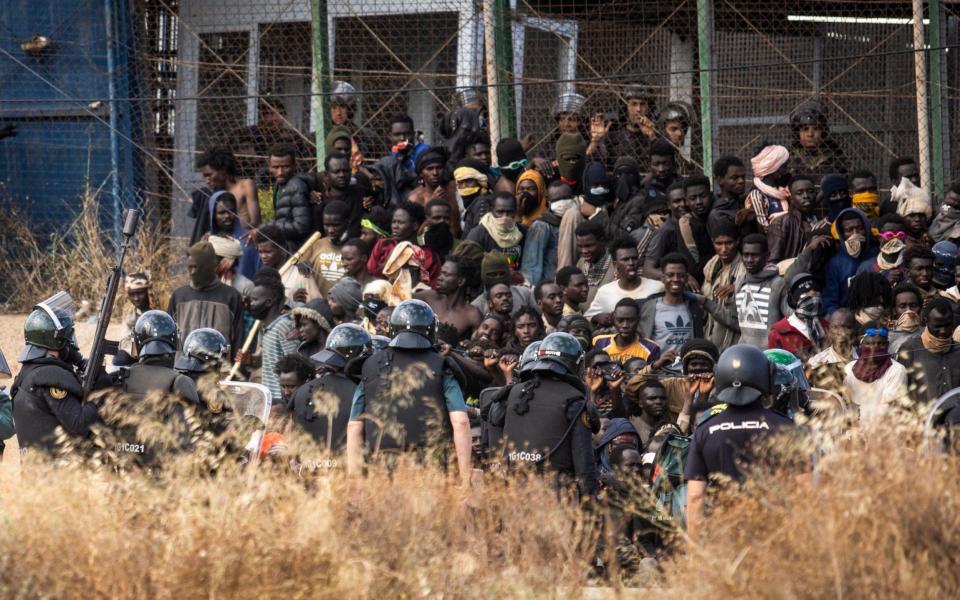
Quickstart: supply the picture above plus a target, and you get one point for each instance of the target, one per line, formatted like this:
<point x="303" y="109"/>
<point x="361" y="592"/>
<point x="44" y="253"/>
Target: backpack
<point x="668" y="484"/>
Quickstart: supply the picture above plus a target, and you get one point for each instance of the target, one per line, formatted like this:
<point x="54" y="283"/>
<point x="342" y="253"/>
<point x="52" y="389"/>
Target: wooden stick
<point x="291" y="262"/>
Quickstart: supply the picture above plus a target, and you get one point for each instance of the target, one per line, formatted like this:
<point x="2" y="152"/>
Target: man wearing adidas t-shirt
<point x="759" y="292"/>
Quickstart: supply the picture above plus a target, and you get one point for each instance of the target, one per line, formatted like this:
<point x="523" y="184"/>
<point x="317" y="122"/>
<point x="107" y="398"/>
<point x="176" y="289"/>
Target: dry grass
<point x="881" y="519"/>
<point x="78" y="260"/>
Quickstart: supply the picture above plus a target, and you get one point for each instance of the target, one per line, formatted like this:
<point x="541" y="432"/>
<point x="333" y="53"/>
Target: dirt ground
<point x="11" y="343"/>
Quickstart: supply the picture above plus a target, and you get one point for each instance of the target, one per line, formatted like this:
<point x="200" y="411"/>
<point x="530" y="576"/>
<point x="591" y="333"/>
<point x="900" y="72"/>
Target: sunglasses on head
<point x="516" y="165"/>
<point x="889" y="235"/>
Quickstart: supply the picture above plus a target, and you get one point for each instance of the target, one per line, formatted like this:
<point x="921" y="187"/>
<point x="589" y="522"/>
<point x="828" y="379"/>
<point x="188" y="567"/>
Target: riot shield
<point x="250" y="400"/>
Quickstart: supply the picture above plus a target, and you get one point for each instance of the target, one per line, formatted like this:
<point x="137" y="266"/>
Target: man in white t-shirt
<point x="628" y="284"/>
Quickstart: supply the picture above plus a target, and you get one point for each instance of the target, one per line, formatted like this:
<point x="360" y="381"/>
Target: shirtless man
<point x="430" y="169"/>
<point x="220" y="171"/>
<point x="449" y="301"/>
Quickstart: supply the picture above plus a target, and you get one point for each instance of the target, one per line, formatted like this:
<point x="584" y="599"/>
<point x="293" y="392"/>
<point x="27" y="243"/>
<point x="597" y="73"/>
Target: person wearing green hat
<point x="494" y="269"/>
<point x="206" y="301"/>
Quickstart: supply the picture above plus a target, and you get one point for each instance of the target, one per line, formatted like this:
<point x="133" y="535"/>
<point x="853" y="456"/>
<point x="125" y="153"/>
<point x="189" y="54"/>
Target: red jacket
<point x="786" y="336"/>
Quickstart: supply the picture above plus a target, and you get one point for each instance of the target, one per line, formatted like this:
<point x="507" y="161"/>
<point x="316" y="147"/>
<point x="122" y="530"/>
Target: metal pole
<point x="705" y="53"/>
<point x="920" y="72"/>
<point x="110" y="23"/>
<point x="503" y="38"/>
<point x="936" y="101"/>
<point x="493" y="103"/>
<point x="321" y="78"/>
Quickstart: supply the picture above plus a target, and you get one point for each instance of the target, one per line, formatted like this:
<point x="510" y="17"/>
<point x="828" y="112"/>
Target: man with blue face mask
<point x="803" y="332"/>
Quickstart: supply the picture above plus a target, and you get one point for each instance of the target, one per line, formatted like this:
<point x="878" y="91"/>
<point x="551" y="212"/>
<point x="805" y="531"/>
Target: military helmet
<point x="568" y="102"/>
<point x="638" y="90"/>
<point x="743" y="375"/>
<point x="204" y="348"/>
<point x="344" y="343"/>
<point x="413" y="325"/>
<point x="468" y="95"/>
<point x="560" y="348"/>
<point x="944" y="260"/>
<point x="50" y="328"/>
<point x="675" y="111"/>
<point x="811" y="115"/>
<point x="155" y="334"/>
<point x="343" y="93"/>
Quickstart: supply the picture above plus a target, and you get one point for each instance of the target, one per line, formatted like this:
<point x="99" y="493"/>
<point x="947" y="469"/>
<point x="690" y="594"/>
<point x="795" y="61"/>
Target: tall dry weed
<point x="879" y="517"/>
<point x="78" y="259"/>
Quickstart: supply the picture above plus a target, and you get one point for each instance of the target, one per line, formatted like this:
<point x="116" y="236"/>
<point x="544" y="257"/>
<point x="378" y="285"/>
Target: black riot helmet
<point x="155" y="334"/>
<point x="344" y="343"/>
<point x="744" y="375"/>
<point x="203" y="350"/>
<point x="50" y="328"/>
<point x="379" y="342"/>
<point x="559" y="349"/>
<point x="413" y="325"/>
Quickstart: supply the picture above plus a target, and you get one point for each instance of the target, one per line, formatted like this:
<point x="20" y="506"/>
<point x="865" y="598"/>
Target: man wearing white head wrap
<point x="914" y="205"/>
<point x="771" y="176"/>
<point x="229" y="250"/>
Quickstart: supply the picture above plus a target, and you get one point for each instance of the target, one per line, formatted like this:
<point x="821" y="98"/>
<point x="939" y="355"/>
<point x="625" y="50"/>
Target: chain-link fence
<point x="122" y="96"/>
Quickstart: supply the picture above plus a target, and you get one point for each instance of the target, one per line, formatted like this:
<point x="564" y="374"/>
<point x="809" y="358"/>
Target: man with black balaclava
<point x="512" y="162"/>
<point x="47" y="392"/>
<point x="322" y="406"/>
<point x="571" y="153"/>
<point x="207" y="302"/>
<point x="597" y="194"/>
<point x="628" y="212"/>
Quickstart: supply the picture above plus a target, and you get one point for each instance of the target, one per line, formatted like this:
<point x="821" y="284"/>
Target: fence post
<point x="320" y="106"/>
<point x="493" y="74"/>
<point x="503" y="40"/>
<point x="920" y="71"/>
<point x="938" y="164"/>
<point x="705" y="54"/>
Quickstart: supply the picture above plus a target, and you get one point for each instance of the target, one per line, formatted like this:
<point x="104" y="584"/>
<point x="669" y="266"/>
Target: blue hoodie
<point x="842" y="267"/>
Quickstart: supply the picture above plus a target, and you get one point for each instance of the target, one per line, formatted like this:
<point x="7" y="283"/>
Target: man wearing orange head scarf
<point x="543" y="234"/>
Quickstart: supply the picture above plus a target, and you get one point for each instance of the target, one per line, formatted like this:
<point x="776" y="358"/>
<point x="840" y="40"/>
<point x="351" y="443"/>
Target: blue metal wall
<point x="61" y="148"/>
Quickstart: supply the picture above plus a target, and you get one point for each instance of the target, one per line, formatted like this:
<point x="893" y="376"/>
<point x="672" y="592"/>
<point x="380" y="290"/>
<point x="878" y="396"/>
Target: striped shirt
<point x="273" y="346"/>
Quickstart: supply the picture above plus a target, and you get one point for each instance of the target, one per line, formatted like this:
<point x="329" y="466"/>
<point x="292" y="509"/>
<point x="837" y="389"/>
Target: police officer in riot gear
<point x="410" y="397"/>
<point x="493" y="402"/>
<point x="47" y="393"/>
<point x="546" y="424"/>
<point x="721" y="442"/>
<point x="341" y="360"/>
<point x="155" y="336"/>
<point x="203" y="352"/>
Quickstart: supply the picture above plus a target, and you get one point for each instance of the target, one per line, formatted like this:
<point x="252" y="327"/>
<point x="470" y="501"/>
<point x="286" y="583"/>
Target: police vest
<point x="138" y="381"/>
<point x="35" y="422"/>
<point x="541" y="435"/>
<point x="322" y="408"/>
<point x="404" y="400"/>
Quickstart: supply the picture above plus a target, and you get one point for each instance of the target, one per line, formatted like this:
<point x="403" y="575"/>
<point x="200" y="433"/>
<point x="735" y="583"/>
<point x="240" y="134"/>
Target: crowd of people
<point x="568" y="310"/>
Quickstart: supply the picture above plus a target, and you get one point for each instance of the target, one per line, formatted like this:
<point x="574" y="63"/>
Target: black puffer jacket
<point x="294" y="213"/>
